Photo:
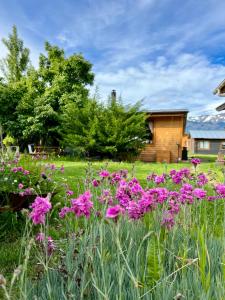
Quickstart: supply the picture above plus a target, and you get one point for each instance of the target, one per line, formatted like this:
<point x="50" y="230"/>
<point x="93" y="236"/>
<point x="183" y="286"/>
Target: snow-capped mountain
<point x="206" y="122"/>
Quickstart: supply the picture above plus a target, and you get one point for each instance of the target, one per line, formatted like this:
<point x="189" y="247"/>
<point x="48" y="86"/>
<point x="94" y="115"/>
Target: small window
<point x="204" y="145"/>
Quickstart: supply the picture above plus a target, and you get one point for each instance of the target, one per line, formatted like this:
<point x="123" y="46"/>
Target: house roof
<point x="219" y="90"/>
<point x="208" y="134"/>
<point x="221" y="107"/>
<point x="168" y="111"/>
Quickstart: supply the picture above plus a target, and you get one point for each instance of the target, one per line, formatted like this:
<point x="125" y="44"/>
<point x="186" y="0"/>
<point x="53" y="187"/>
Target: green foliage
<point x="15" y="65"/>
<point x="33" y="100"/>
<point x="8" y="140"/>
<point x="113" y="131"/>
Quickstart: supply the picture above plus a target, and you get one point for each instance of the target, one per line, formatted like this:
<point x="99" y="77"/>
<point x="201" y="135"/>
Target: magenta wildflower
<point x="195" y="161"/>
<point x="104" y="173"/>
<point x="220" y="189"/>
<point x="82" y="205"/>
<point x="40" y="237"/>
<point x="168" y="220"/>
<point x="69" y="193"/>
<point x="159" y="179"/>
<point x="40" y="207"/>
<point x="62" y="169"/>
<point x="64" y="211"/>
<point x="202" y="179"/>
<point x="134" y="210"/>
<point x="52" y="167"/>
<point x="199" y="193"/>
<point x="95" y="182"/>
<point x="26" y="172"/>
<point x="20" y="186"/>
<point x="114" y="211"/>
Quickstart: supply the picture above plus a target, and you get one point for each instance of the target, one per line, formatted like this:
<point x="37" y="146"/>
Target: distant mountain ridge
<point x="206" y="122"/>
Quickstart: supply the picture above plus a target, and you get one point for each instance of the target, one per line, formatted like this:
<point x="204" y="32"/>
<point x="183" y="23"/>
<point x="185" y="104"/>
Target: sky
<point x="168" y="53"/>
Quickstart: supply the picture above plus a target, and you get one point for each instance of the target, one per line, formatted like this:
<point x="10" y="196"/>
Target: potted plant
<point x="20" y="183"/>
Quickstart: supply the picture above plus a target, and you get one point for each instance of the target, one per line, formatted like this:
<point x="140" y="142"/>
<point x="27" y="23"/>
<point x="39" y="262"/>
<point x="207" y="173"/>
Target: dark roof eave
<point x="221" y="107"/>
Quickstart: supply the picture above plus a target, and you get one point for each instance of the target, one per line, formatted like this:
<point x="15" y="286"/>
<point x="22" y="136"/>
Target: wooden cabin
<point x="167" y="136"/>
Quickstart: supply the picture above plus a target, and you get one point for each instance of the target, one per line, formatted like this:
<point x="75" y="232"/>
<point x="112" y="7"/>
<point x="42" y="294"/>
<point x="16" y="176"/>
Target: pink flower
<point x="20" y="186"/>
<point x="168" y="220"/>
<point x="220" y="189"/>
<point x="82" y="205"/>
<point x="26" y="172"/>
<point x="202" y="179"/>
<point x="199" y="193"/>
<point x="159" y="179"/>
<point x="95" y="183"/>
<point x="40" y="237"/>
<point x="52" y="167"/>
<point x="114" y="211"/>
<point x="69" y="193"/>
<point x="134" y="210"/>
<point x="195" y="161"/>
<point x="104" y="173"/>
<point x="64" y="211"/>
<point x="62" y="169"/>
<point x="40" y="207"/>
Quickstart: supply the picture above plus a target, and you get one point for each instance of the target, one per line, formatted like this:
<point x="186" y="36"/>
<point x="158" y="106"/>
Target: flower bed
<point x="161" y="240"/>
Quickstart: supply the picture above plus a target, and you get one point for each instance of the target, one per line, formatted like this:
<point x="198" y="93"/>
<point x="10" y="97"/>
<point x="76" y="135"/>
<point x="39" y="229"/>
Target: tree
<point x="15" y="65"/>
<point x="57" y="82"/>
<point x="113" y="131"/>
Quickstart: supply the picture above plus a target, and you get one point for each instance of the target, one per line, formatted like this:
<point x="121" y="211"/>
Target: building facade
<point x="167" y="136"/>
<point x="206" y="141"/>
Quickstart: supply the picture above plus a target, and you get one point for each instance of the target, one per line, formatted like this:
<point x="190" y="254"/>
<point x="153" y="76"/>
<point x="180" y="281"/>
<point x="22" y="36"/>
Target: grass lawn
<point x="75" y="171"/>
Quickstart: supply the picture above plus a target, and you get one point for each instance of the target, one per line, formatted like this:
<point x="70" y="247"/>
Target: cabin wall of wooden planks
<point x="168" y="133"/>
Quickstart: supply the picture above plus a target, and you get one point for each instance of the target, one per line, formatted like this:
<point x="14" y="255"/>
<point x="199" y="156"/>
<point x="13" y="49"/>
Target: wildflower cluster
<point x="118" y="196"/>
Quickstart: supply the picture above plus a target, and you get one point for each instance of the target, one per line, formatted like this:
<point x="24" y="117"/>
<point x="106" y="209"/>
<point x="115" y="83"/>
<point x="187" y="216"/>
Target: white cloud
<point x="187" y="82"/>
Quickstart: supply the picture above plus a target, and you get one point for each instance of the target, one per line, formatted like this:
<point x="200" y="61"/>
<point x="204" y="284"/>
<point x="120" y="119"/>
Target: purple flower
<point x="20" y="186"/>
<point x="159" y="179"/>
<point x="114" y="211"/>
<point x="62" y="169"/>
<point x="106" y="197"/>
<point x="26" y="172"/>
<point x="95" y="183"/>
<point x="69" y="193"/>
<point x="104" y="173"/>
<point x="195" y="161"/>
<point x="220" y="189"/>
<point x="82" y="205"/>
<point x="134" y="210"/>
<point x="40" y="237"/>
<point x="52" y="167"/>
<point x="202" y="179"/>
<point x="64" y="211"/>
<point x="40" y="207"/>
<point x="168" y="220"/>
<point x="199" y="193"/>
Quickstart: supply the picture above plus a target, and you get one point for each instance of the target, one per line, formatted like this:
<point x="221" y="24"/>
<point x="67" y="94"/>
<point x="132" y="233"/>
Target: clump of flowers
<point x="40" y="208"/>
<point x="80" y="206"/>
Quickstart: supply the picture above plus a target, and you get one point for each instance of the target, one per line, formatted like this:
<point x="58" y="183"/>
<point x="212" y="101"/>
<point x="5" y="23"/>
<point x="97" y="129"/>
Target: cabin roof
<point x="168" y="111"/>
<point x="217" y="90"/>
<point x="208" y="134"/>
